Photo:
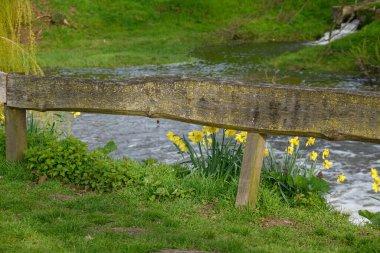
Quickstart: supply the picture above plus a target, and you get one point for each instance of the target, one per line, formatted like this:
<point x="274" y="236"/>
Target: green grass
<point x="123" y="33"/>
<point x="52" y="217"/>
<point x="339" y="56"/>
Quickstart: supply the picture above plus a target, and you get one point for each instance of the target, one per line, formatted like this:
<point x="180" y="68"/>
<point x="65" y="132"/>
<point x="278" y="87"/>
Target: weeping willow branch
<point x="17" y="42"/>
<point x="31" y="58"/>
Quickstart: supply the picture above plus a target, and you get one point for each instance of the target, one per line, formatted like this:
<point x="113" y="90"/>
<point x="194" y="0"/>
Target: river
<point x="141" y="138"/>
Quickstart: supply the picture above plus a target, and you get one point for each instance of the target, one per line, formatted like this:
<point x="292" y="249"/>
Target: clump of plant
<point x="374" y="218"/>
<point x="367" y="58"/>
<point x="70" y="161"/>
<point x="212" y="151"/>
<point x="297" y="178"/>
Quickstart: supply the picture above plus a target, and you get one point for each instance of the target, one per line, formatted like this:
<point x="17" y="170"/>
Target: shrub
<point x="70" y="161"/>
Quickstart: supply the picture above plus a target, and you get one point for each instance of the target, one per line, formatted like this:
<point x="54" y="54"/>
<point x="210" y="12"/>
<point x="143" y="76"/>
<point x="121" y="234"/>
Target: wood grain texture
<point x="3" y="86"/>
<point x="15" y="133"/>
<point x="277" y="110"/>
<point x="251" y="170"/>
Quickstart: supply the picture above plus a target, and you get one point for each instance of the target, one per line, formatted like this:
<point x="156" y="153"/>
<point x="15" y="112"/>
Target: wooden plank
<point x="3" y="85"/>
<point x="251" y="170"/>
<point x="15" y="133"/>
<point x="268" y="109"/>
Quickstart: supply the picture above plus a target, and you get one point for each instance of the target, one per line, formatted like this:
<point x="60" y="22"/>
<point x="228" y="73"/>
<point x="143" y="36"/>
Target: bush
<point x="70" y="161"/>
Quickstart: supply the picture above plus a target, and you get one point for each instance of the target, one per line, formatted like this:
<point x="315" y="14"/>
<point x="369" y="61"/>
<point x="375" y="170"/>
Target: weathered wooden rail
<point x="260" y="109"/>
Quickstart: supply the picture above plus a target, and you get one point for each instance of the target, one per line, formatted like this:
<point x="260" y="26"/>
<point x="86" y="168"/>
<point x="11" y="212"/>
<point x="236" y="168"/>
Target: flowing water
<point x="141" y="138"/>
<point x="344" y="30"/>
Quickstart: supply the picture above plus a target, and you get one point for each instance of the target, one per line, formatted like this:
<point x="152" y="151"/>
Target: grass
<point x="53" y="217"/>
<point x="157" y="32"/>
<point x="337" y="57"/>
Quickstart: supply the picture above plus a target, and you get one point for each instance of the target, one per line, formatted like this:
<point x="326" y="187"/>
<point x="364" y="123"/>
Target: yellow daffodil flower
<point x="241" y="137"/>
<point x="325" y="153"/>
<point x="376" y="180"/>
<point x="313" y="155"/>
<point x="196" y="136"/>
<point x="341" y="178"/>
<point x="374" y="173"/>
<point x="209" y="130"/>
<point x="76" y="114"/>
<point x="207" y="143"/>
<point x="170" y="136"/>
<point x="290" y="150"/>
<point x="294" y="141"/>
<point x="230" y="132"/>
<point x="266" y="152"/>
<point x="177" y="140"/>
<point x="375" y="187"/>
<point x="327" y="164"/>
<point x="183" y="147"/>
<point x="310" y="141"/>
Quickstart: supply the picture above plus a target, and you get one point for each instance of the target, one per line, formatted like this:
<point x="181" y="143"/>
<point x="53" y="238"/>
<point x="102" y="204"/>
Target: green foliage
<point x="71" y="161"/>
<point x="211" y="154"/>
<point x="294" y="177"/>
<point x="367" y="58"/>
<point x="354" y="54"/>
<point x="15" y="28"/>
<point x="374" y="218"/>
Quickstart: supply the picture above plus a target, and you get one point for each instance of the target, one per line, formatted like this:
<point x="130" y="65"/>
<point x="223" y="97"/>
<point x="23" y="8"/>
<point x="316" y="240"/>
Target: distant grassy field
<point x="122" y="33"/>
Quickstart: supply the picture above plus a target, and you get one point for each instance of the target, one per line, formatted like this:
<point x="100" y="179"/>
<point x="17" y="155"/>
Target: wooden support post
<point x="15" y="133"/>
<point x="250" y="170"/>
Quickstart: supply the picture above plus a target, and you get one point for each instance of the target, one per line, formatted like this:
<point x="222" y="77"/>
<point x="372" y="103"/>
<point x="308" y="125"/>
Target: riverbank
<point x="135" y="33"/>
<point x="161" y="208"/>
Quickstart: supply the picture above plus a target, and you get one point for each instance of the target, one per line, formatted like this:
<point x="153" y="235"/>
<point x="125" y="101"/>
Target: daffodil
<point x="294" y="141"/>
<point x="206" y="130"/>
<point x="290" y="150"/>
<point x="183" y="147"/>
<point x="310" y="141"/>
<point x="177" y="140"/>
<point x="241" y="137"/>
<point x="341" y="178"/>
<point x="266" y="152"/>
<point x="327" y="164"/>
<point x="76" y="114"/>
<point x="313" y="155"/>
<point x="196" y="136"/>
<point x="325" y="153"/>
<point x="376" y="180"/>
<point x="207" y="142"/>
<point x="230" y="132"/>
<point x="374" y="173"/>
<point x="375" y="187"/>
<point x="170" y="136"/>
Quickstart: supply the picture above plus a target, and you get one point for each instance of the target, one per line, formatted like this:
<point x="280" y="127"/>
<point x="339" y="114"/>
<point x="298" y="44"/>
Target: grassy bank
<point x="123" y="33"/>
<point x="159" y="209"/>
<point x="353" y="54"/>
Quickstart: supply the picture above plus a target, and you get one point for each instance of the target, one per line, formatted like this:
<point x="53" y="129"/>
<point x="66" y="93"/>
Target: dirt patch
<point x="183" y="251"/>
<point x="208" y="211"/>
<point x="276" y="222"/>
<point x="63" y="197"/>
<point x="127" y="230"/>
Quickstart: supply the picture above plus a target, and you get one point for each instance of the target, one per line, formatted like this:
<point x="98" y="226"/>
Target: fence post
<point x="250" y="170"/>
<point x="15" y="133"/>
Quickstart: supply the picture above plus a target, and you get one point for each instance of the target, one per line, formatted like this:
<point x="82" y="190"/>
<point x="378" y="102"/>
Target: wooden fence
<point x="260" y="109"/>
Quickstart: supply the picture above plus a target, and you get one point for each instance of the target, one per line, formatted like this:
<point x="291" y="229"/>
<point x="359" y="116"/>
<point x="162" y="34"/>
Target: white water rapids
<point x="344" y="30"/>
